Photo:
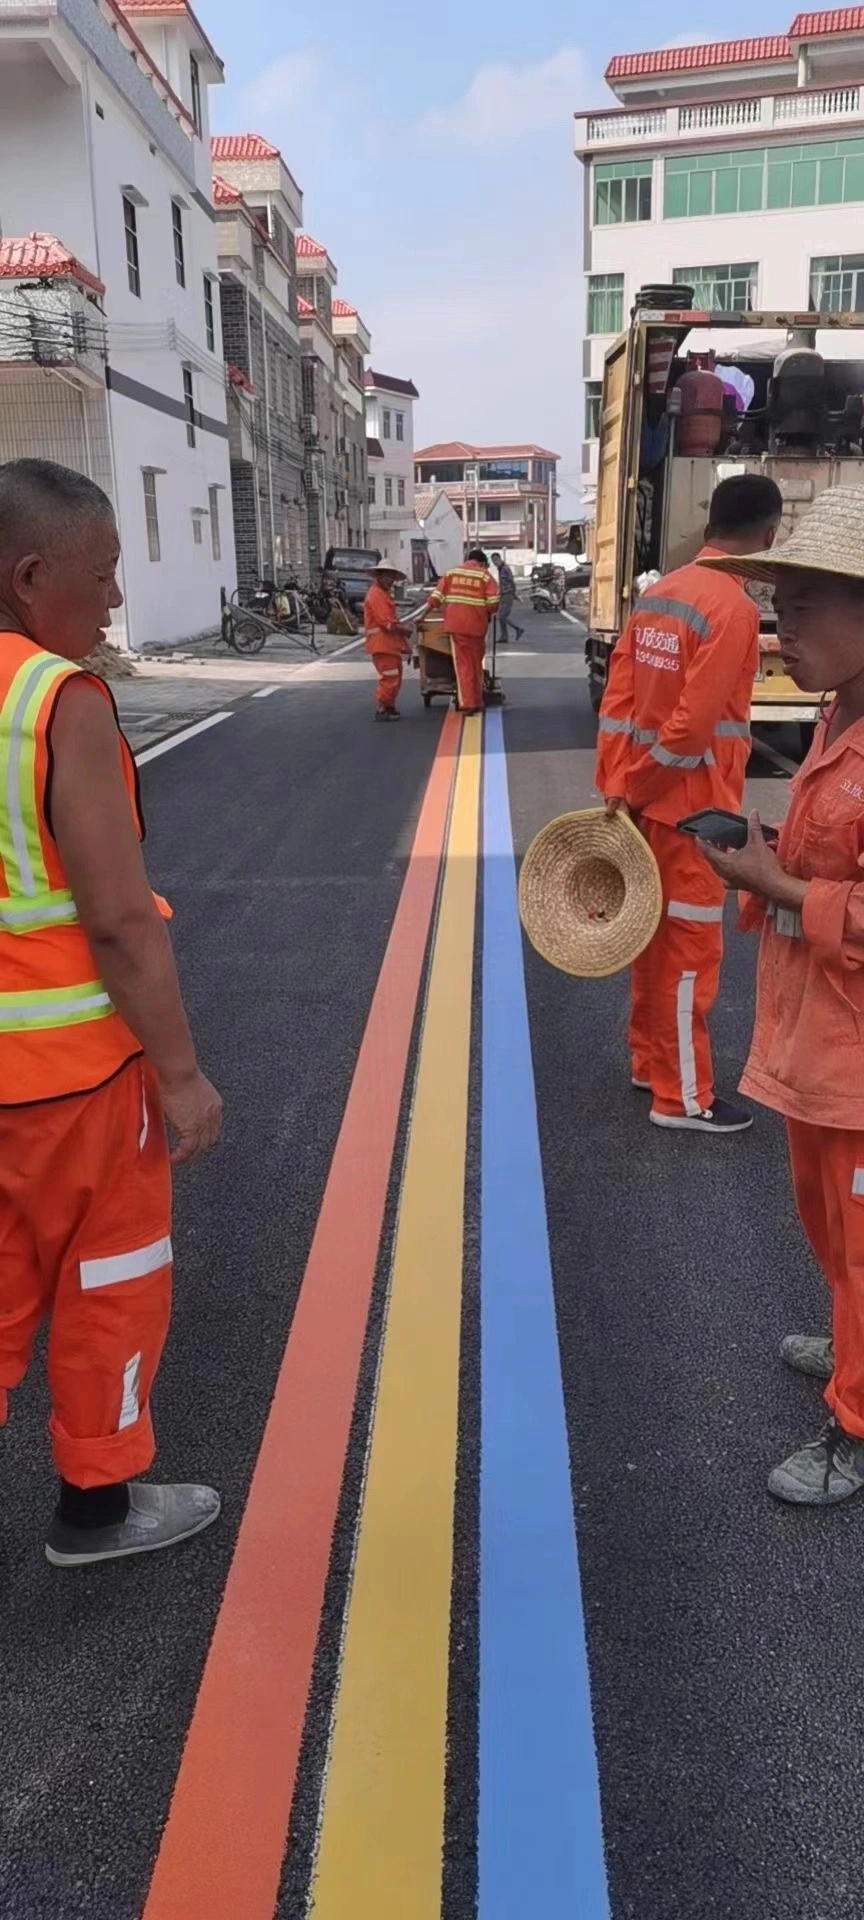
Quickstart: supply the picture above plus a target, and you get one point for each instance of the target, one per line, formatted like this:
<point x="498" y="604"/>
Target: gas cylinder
<point x="701" y="424"/>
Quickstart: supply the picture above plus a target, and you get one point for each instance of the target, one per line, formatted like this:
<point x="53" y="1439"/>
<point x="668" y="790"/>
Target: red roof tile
<point x="716" y="53"/>
<point x="308" y="249"/>
<point x="811" y="26"/>
<point x="304" y="311"/>
<point x="461" y="450"/>
<point x="343" y="311"/>
<point x="242" y="146"/>
<point x="41" y="256"/>
<point x="224" y="195"/>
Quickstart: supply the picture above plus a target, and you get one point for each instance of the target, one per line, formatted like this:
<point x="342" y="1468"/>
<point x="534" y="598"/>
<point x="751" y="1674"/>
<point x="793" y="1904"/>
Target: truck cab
<point x="653" y="488"/>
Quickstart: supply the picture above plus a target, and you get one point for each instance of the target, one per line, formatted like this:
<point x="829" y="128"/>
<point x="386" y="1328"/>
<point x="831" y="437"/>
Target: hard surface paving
<point x="724" y="1632"/>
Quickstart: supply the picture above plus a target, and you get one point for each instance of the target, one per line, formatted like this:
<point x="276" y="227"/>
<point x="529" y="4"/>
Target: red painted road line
<point x="224" y="1842"/>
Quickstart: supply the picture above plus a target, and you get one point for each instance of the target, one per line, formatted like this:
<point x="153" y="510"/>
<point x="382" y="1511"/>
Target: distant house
<point x="441" y="526"/>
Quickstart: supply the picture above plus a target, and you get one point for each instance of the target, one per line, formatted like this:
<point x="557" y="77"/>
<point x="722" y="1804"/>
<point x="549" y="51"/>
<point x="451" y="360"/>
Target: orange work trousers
<point x="674" y="982"/>
<point x="388" y="667"/>
<point x="468" y="656"/>
<point x="85" y="1241"/>
<point x="828" y="1177"/>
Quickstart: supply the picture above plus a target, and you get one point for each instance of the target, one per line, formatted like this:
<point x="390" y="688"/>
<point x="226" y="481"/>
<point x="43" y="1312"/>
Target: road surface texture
<point x="382" y="1641"/>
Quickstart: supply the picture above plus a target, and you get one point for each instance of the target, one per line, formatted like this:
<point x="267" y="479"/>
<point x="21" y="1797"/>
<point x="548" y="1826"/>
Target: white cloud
<point x="284" y="83"/>
<point x="505" y="102"/>
<point x="691" y="39"/>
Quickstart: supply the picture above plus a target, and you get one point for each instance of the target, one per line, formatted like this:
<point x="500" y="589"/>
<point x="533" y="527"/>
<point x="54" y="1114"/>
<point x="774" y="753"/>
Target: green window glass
<point x="821" y="173"/>
<point x="676" y="200"/>
<point x="622" y="192"/>
<point x="593" y="407"/>
<point x="853" y="184"/>
<point x="722" y="289"/>
<point x="830" y="182"/>
<point x="605" y="302"/>
<point x="837" y="283"/>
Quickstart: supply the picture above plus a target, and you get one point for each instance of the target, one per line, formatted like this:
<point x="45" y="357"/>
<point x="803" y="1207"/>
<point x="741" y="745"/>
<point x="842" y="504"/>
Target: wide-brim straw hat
<point x="829" y="538"/>
<point x="387" y="566"/>
<point x="590" y="896"/>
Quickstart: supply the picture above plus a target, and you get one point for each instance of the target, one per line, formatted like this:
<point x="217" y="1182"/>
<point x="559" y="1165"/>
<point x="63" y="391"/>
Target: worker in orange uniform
<point x="385" y="638"/>
<point x="808" y="900"/>
<point x="674" y="738"/>
<point x="95" y="1050"/>
<point x="468" y="597"/>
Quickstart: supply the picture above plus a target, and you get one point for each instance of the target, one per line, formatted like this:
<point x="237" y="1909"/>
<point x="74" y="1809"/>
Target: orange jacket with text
<point x="469" y="596"/>
<point x="384" y="633"/>
<point x="674" y="731"/>
<point x="805" y="1056"/>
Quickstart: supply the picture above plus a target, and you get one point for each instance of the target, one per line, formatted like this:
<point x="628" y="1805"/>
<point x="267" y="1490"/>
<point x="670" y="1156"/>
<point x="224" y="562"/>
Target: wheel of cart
<point x="247" y="629"/>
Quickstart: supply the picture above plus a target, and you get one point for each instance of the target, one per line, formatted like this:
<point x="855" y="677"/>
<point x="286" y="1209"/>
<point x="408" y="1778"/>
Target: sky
<point x="434" y="149"/>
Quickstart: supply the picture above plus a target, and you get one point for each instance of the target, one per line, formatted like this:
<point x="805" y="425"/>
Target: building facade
<point x="441" y="528"/>
<point x="393" y="524"/>
<point x="259" y="208"/>
<point x="736" y="168"/>
<point x="505" y="496"/>
<point x="334" y="342"/>
<point x="110" y="342"/>
<point x="353" y="343"/>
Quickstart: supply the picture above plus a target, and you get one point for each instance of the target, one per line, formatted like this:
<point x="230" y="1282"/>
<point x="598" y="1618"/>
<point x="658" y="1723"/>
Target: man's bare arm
<point x="99" y="849"/>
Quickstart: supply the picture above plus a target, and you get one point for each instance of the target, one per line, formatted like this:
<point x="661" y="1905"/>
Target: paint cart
<point x="437" y="676"/>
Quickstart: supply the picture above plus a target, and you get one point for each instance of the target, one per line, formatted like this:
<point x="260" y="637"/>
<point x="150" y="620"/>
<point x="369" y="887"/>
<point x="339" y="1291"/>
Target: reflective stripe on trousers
<point x="686" y="1047"/>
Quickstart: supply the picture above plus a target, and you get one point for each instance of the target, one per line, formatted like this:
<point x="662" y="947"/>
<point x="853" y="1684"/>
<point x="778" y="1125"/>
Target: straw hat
<point x="387" y="566"/>
<point x="829" y="538"/>
<point x="590" y="896"/>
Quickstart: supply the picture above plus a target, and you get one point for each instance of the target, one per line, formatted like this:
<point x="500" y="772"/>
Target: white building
<point x="390" y="453"/>
<point x="736" y="168"/>
<point x="110" y="346"/>
<point x="441" y="527"/>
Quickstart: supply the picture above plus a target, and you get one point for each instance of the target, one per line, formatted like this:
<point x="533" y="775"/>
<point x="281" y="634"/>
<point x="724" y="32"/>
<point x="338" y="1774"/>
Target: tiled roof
<point x="41" y="256"/>
<point x="224" y="195"/>
<point x="343" y="311"/>
<point x="175" y="7"/>
<point x="374" y="449"/>
<point x="811" y="26"/>
<point x="242" y="146"/>
<point x="716" y="53"/>
<point x="308" y="249"/>
<point x="460" y="450"/>
<point x="389" y="384"/>
<point x="424" y="502"/>
<point x="304" y="310"/>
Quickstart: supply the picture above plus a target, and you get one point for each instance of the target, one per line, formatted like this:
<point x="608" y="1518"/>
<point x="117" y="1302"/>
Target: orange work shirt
<point x="469" y="597"/>
<point x="805" y="1057"/>
<point x="674" y="733"/>
<point x="381" y="622"/>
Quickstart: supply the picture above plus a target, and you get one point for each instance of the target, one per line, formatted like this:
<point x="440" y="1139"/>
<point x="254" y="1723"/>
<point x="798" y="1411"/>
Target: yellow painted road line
<point x="382" y="1825"/>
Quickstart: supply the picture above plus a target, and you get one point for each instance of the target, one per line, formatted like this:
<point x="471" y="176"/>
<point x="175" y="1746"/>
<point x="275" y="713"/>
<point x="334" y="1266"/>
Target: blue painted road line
<point x="540" y="1836"/>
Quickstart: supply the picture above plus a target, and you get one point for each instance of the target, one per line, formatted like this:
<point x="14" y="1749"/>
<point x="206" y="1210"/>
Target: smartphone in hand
<point x="728" y="831"/>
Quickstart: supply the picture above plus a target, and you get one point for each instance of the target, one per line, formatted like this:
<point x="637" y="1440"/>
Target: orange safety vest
<point x="59" y="1033"/>
<point x="469" y="596"/>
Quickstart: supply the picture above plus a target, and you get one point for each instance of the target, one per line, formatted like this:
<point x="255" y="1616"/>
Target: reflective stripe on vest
<point x="42" y="1007"/>
<point x="31" y="903"/>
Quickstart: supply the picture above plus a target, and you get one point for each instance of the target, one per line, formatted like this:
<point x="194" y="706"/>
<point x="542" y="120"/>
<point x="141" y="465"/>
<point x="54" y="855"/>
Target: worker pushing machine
<point x="674" y="738"/>
<point x="468" y="596"/>
<point x="95" y="1049"/>
<point x="386" y="640"/>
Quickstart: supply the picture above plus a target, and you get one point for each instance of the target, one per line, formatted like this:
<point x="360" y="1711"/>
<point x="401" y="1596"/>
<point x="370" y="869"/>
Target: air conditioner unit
<point x="310" y="426"/>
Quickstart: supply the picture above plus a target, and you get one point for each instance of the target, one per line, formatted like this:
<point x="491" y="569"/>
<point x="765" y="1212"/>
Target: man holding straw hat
<point x="808" y="899"/>
<point x="674" y="739"/>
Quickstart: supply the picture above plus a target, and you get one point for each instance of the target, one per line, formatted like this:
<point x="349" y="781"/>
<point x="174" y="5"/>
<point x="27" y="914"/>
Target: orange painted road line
<point x="223" y="1846"/>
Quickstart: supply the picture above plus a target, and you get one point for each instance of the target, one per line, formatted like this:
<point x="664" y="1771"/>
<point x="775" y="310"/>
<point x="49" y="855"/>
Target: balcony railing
<point x="807" y="106"/>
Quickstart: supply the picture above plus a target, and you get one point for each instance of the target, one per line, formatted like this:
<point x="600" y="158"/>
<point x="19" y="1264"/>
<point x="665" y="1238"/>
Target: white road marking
<point x="177" y="739"/>
<point x="338" y="651"/>
<point x="263" y="693"/>
<point x="571" y="617"/>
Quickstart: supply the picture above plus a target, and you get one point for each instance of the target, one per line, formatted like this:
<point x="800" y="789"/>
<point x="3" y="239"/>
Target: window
<point x="400" y="492"/>
<point x="491" y="510"/>
<point x="825" y="173"/>
<point x="593" y="408"/>
<point x="209" y="314"/>
<point x="721" y="289"/>
<point x="189" y="404"/>
<point x="195" y="86"/>
<point x="371" y="493"/>
<point x="503" y="470"/>
<point x="133" y="265"/>
<point x="605" y="302"/>
<point x="385" y="424"/>
<point x="400" y="426"/>
<point x="837" y="283"/>
<point x="197" y="535"/>
<point x="388" y="492"/>
<point x="622" y="192"/>
<point x="215" y="536"/>
<point x="179" y="261"/>
<point x="151" y="514"/>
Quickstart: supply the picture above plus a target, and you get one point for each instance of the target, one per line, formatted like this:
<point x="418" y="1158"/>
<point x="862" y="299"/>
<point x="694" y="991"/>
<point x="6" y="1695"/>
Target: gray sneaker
<point x="157" y="1517"/>
<point x="829" y="1469"/>
<point x="811" y="1353"/>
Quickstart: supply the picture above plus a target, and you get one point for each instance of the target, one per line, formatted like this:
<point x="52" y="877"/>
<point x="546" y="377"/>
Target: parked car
<point x="349" y="570"/>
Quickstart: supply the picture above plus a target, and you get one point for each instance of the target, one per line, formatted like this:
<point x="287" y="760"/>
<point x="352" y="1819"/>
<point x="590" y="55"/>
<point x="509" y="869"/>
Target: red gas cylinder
<point x="701" y="423"/>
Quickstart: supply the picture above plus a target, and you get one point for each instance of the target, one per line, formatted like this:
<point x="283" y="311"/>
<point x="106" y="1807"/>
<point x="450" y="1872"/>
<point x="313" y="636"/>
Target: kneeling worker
<point x="468" y="596"/>
<point x="674" y="737"/>
<point x="95" y="1050"/>
<point x="386" y="638"/>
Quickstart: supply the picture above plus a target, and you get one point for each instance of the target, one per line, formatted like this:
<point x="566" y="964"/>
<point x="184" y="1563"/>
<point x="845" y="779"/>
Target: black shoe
<point x="720" y="1117"/>
<point x="386" y="713"/>
<point x="470" y="713"/>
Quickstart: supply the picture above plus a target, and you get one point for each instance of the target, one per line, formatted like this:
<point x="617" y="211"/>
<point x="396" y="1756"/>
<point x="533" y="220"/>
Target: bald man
<point x="96" y="1056"/>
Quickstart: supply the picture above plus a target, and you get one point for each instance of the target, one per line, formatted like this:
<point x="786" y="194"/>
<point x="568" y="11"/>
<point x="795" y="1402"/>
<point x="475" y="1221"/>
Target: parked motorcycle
<point x="548" y="587"/>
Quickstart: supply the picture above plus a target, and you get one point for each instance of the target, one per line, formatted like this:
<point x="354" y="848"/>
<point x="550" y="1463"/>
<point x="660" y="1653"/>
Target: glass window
<point x="209" y="314"/>
<point x="721" y="289"/>
<point x="195" y="84"/>
<point x="400" y="493"/>
<point x="837" y="283"/>
<point x="197" y="535"/>
<point x="388" y="492"/>
<point x="179" y="261"/>
<point x="189" y="404"/>
<point x="605" y="302"/>
<point x="385" y="424"/>
<point x="215" y="535"/>
<point x="151" y="514"/>
<point x="593" y="408"/>
<point x="371" y="492"/>
<point x="400" y="426"/>
<point x="819" y="173"/>
<point x="622" y="192"/>
<point x="133" y="265"/>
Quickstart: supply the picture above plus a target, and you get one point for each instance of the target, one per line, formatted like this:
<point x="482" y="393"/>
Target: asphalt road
<point x="724" y="1634"/>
